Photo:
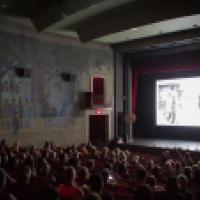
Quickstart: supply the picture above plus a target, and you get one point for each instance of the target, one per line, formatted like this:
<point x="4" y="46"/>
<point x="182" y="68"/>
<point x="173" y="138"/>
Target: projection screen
<point x="178" y="102"/>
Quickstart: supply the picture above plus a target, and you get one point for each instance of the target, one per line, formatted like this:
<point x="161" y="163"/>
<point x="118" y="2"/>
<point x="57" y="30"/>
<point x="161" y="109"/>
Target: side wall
<point x="43" y="106"/>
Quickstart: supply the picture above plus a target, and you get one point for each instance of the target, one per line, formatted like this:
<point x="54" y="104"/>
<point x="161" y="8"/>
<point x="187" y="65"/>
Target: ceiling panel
<point x="159" y="28"/>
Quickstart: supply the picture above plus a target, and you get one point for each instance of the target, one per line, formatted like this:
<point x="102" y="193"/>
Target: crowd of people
<point x="96" y="173"/>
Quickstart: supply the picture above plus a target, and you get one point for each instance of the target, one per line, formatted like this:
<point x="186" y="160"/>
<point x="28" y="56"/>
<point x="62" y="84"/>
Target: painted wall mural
<point x="44" y="97"/>
<point x="54" y="100"/>
<point x="15" y="96"/>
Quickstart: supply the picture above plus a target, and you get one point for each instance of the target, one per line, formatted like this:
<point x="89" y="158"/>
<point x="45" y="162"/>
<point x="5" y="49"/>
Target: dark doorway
<point x="98" y="129"/>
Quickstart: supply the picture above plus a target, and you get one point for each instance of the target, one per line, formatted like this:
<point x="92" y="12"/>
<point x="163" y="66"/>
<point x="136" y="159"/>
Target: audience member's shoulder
<point x="78" y="190"/>
<point x="7" y="196"/>
<point x="171" y="196"/>
<point x="92" y="196"/>
<point x="107" y="196"/>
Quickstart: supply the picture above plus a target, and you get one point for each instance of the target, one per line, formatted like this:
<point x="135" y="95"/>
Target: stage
<point x="155" y="144"/>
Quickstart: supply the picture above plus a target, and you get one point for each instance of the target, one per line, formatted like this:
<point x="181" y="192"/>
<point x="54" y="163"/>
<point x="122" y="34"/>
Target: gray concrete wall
<point x="44" y="107"/>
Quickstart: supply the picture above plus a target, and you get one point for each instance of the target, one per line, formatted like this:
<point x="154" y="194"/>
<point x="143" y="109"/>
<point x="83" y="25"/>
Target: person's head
<point x="187" y="155"/>
<point x="2" y="180"/>
<point x="136" y="159"/>
<point x="69" y="175"/>
<point x="168" y="166"/>
<point x="13" y="162"/>
<point x="156" y="171"/>
<point x="143" y="192"/>
<point x="30" y="161"/>
<point x="196" y="172"/>
<point x="119" y="140"/>
<point x="74" y="161"/>
<point x="46" y="144"/>
<point x="92" y="196"/>
<point x="117" y="151"/>
<point x="64" y="157"/>
<point x="121" y="169"/>
<point x="178" y="166"/>
<point x="172" y="183"/>
<point x="16" y="145"/>
<point x="25" y="176"/>
<point x="188" y="172"/>
<point x="28" y="173"/>
<point x="109" y="166"/>
<point x="90" y="164"/>
<point x="105" y="176"/>
<point x="47" y="168"/>
<point x="96" y="183"/>
<point x="123" y="157"/>
<point x="9" y="197"/>
<point x="182" y="181"/>
<point x="151" y="181"/>
<point x="141" y="175"/>
<point x="83" y="175"/>
<point x="4" y="159"/>
<point x="105" y="150"/>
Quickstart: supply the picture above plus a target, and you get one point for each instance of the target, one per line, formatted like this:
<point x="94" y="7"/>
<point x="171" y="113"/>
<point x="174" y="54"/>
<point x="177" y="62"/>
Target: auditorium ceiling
<point x="115" y="22"/>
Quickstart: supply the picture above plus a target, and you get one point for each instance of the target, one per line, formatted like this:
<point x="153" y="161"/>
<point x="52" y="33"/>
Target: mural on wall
<point x="15" y="96"/>
<point x="54" y="98"/>
<point x="59" y="97"/>
<point x="44" y="99"/>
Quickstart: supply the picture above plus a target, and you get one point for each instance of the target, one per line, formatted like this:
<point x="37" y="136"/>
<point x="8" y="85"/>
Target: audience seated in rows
<point x="96" y="173"/>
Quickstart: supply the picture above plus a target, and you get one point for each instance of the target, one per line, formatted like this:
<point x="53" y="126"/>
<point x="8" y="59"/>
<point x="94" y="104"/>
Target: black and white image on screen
<point x="178" y="102"/>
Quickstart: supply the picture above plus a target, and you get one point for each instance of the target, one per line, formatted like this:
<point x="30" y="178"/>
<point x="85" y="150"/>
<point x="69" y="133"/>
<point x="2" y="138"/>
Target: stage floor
<point x="166" y="144"/>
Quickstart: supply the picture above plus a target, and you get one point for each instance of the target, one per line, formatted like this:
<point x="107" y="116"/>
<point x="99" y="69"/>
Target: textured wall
<point x="44" y="107"/>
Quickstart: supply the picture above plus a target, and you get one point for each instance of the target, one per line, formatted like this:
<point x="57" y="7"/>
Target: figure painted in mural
<point x="5" y="114"/>
<point x="1" y="118"/>
<point x="27" y="113"/>
<point x="5" y="86"/>
<point x="19" y="111"/>
<point x="14" y="116"/>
